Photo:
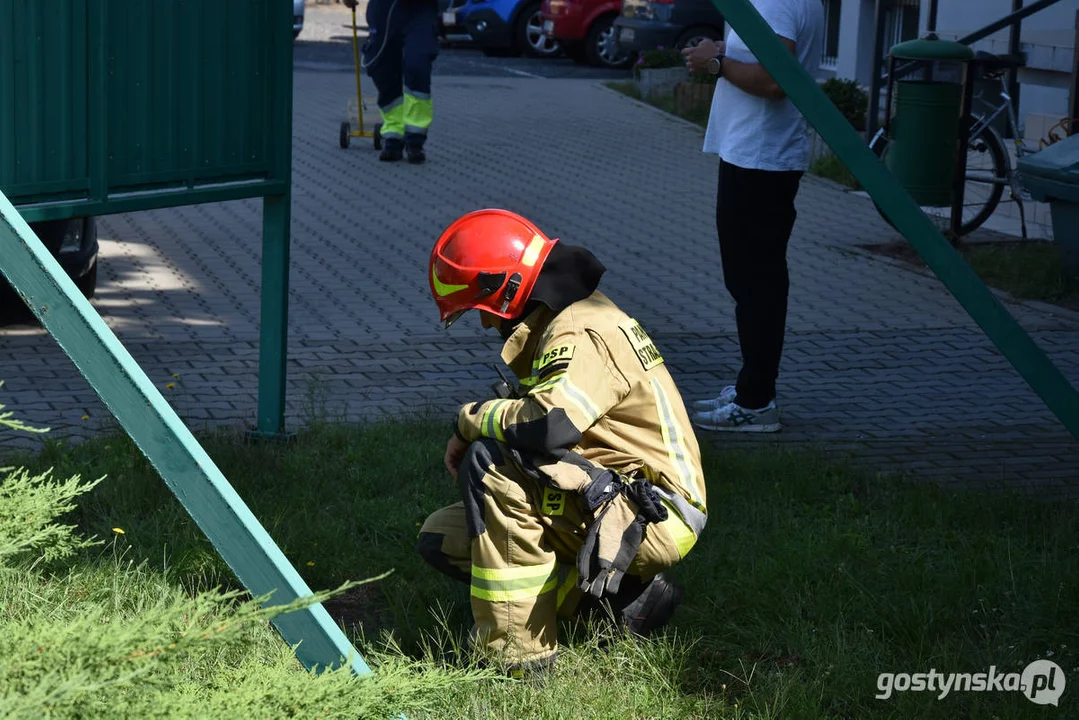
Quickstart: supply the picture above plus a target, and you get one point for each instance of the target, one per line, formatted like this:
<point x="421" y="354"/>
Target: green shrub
<point x="850" y="98"/>
<point x="831" y="167"/>
<point x="93" y="634"/>
<point x="661" y="57"/>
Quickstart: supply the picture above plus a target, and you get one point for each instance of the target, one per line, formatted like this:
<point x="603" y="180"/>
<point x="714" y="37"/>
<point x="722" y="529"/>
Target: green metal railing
<point x="958" y="277"/>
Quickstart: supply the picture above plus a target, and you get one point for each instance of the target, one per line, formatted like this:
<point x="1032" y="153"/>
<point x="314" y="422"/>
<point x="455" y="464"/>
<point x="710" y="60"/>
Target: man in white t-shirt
<point x="763" y="145"/>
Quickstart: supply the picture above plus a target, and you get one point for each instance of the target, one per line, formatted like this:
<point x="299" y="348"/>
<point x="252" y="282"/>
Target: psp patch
<point x="643" y="347"/>
<point x="555" y="354"/>
<point x="554" y="502"/>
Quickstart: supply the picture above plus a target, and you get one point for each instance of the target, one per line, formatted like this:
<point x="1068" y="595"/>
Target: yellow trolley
<point x="359" y="114"/>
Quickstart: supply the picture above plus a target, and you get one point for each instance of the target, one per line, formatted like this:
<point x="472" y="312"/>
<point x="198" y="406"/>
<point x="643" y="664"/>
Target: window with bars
<point x="900" y="22"/>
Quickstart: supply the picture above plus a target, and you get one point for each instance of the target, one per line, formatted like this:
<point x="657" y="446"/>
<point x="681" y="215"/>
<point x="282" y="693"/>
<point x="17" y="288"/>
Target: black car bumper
<point x="636" y="35"/>
<point x="488" y="29"/>
<point x="72" y="242"/>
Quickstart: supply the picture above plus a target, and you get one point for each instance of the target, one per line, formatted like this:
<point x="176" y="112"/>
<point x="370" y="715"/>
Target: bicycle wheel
<point x="986" y="176"/>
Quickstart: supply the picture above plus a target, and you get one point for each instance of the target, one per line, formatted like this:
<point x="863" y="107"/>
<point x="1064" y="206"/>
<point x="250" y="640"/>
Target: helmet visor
<point x="454" y="318"/>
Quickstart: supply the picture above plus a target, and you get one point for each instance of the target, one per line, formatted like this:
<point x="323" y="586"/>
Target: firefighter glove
<point x="615" y="537"/>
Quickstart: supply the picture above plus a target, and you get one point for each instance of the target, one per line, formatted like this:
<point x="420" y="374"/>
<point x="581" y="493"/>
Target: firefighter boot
<point x="414" y="149"/>
<point x="651" y="608"/>
<point x="392" y="150"/>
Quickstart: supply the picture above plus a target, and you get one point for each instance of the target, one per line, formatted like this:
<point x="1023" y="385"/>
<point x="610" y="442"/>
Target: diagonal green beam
<point x="962" y="282"/>
<point x="174" y="452"/>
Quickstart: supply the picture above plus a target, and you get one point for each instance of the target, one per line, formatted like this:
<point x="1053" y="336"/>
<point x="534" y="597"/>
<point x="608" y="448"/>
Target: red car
<point x="585" y="29"/>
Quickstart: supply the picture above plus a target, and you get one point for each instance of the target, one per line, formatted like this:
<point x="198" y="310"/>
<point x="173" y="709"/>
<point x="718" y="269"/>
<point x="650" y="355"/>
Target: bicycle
<point x="989" y="167"/>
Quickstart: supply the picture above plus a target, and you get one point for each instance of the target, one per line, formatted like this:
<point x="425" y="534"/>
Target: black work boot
<point x="392" y="150"/>
<point x="415" y="154"/>
<point x="653" y="607"/>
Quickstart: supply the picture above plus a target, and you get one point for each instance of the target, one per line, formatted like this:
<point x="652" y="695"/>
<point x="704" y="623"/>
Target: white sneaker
<point x="726" y="397"/>
<point x="734" y="418"/>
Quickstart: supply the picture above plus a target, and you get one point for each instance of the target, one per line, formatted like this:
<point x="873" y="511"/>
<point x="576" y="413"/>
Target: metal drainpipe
<point x="1014" y="40"/>
<point x="872" y="124"/>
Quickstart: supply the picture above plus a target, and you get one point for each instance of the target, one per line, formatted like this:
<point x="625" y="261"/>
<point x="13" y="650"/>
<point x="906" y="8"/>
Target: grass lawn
<point x="1027" y="270"/>
<point x="810" y="580"/>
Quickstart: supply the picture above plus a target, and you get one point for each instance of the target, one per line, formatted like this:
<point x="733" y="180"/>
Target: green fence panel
<point x="116" y="106"/>
<point x="979" y="302"/>
<point x="174" y="452"/>
<point x="119" y="105"/>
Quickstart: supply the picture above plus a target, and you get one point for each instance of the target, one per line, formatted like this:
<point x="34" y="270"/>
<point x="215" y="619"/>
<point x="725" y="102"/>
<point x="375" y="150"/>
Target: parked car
<point x="297" y="18"/>
<point x="502" y="27"/>
<point x="448" y="27"/>
<point x="585" y="30"/>
<point x="648" y="24"/>
<point x="74" y="245"/>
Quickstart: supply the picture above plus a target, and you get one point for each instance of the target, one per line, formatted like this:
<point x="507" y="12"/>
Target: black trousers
<point x="754" y="218"/>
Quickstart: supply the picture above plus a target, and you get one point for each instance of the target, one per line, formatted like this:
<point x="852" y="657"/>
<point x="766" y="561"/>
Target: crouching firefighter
<point x="401" y="47"/>
<point x="578" y="493"/>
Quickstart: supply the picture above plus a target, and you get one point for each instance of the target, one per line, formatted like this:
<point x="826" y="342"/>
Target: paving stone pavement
<point x="881" y="364"/>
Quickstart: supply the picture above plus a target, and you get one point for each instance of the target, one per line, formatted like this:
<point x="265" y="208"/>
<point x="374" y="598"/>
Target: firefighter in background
<point x="401" y="47"/>
<point x="578" y="493"/>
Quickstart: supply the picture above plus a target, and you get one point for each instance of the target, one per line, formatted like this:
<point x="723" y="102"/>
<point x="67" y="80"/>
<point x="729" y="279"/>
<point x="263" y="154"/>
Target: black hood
<point x="569" y="274"/>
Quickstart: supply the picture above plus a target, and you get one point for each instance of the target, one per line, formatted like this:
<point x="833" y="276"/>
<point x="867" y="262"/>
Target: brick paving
<point x="882" y="365"/>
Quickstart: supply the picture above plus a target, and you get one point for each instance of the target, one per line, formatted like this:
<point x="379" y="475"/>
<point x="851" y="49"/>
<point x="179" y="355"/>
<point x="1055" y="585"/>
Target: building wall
<point x="855" y="59"/>
<point x="1048" y="39"/>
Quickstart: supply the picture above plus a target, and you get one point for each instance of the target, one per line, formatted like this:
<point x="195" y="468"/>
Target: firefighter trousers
<point x="400" y="51"/>
<point x="515" y="541"/>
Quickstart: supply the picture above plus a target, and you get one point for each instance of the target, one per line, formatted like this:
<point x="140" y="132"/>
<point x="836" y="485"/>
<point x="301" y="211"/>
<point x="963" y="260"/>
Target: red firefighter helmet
<point x="487" y="260"/>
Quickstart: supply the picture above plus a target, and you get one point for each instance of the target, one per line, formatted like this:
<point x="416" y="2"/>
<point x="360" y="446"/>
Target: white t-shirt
<point x="761" y="133"/>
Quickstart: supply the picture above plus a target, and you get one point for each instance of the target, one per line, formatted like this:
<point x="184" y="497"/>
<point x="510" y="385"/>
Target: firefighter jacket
<point x="595" y="387"/>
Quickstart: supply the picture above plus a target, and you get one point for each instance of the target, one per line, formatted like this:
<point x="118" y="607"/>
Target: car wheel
<point x="602" y="45"/>
<point x="530" y="37"/>
<point x="87" y="284"/>
<point x="694" y="35"/>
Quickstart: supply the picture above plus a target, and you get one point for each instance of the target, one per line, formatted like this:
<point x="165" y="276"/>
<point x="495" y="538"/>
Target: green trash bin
<point x="1052" y="175"/>
<point x="924" y="124"/>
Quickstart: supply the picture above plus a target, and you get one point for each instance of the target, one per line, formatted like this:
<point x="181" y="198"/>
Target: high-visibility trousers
<point x="399" y="53"/>
<point x="516" y="542"/>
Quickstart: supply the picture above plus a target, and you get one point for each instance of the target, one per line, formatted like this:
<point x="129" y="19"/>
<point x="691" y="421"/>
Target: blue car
<point x="501" y="28"/>
<point x="297" y="18"/>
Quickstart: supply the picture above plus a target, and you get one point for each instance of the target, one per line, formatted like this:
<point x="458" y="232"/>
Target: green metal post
<point x="273" y="333"/>
<point x="169" y="446"/>
<point x="276" y="222"/>
<point x="1003" y="330"/>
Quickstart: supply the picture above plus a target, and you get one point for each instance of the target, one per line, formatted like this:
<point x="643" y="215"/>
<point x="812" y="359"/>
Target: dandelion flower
<point x="170" y="386"/>
<point x="310" y="563"/>
<point x="118" y="531"/>
<point x="85" y="417"/>
<point x="176" y="375"/>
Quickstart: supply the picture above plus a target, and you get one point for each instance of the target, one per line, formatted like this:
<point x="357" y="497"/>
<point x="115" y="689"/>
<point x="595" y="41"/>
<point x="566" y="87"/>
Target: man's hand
<point x="697" y="57"/>
<point x="455" y="450"/>
<point x="350" y="4"/>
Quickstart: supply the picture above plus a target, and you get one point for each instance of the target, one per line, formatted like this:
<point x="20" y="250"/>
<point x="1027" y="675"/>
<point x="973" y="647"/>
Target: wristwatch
<point x="715" y="66"/>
